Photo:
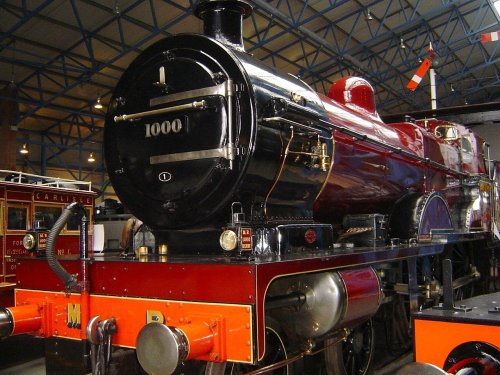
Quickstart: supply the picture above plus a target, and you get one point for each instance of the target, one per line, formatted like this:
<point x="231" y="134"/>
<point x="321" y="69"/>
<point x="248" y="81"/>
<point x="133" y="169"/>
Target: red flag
<point x="419" y="74"/>
<point x="490" y="37"/>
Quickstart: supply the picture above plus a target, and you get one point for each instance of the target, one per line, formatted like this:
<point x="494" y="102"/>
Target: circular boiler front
<point x="175" y="131"/>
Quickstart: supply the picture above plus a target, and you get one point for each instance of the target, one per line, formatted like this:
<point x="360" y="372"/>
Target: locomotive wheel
<point x="353" y="356"/>
<point x="275" y="352"/>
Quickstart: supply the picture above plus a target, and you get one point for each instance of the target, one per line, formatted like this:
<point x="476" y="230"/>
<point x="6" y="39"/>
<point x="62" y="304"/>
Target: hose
<point x="69" y="280"/>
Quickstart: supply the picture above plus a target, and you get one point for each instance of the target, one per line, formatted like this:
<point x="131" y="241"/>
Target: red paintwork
<point x="354" y="92"/>
<point x="476" y="163"/>
<point x="369" y="178"/>
<point x="191" y="282"/>
<point x="27" y="318"/>
<point x="363" y="294"/>
<point x="219" y="280"/>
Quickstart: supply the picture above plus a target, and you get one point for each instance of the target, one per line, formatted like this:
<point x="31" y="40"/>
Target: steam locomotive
<point x="283" y="219"/>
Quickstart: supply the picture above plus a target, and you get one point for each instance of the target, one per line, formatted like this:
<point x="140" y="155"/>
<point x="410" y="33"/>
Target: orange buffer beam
<point x="435" y="340"/>
<point x="213" y="331"/>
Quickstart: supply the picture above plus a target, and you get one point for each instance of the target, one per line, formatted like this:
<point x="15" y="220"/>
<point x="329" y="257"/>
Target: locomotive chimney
<point x="223" y="20"/>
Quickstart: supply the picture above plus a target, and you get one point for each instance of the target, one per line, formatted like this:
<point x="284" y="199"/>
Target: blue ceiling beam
<point x="97" y="66"/>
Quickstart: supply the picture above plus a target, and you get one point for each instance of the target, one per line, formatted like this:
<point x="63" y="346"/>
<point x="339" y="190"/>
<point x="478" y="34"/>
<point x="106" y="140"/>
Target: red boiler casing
<point x="366" y="177"/>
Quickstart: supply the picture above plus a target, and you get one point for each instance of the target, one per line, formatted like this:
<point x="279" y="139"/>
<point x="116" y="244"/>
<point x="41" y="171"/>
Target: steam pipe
<point x="69" y="280"/>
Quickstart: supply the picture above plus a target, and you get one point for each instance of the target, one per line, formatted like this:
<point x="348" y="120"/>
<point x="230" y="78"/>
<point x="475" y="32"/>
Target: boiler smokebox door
<point x="174" y="157"/>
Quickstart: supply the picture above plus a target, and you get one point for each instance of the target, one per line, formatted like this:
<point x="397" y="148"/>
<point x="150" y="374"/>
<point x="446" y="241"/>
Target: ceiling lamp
<point x="98" y="104"/>
<point x="91" y="158"/>
<point x="368" y="15"/>
<point x="24" y="150"/>
<point x="402" y="45"/>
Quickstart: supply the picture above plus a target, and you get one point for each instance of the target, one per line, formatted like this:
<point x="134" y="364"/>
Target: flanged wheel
<point x="353" y="356"/>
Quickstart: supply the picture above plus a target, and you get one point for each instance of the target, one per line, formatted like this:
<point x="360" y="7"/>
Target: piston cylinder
<point x="330" y="300"/>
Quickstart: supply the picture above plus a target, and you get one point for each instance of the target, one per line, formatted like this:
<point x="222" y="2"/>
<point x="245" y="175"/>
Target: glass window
<point x="46" y="216"/>
<point x="466" y="150"/>
<point x="448" y="133"/>
<point x="17" y="218"/>
<point x="466" y="145"/>
<point x="74" y="221"/>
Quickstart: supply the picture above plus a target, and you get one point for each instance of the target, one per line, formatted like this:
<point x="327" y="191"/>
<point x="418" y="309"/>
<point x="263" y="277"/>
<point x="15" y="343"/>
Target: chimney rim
<point x="207" y="5"/>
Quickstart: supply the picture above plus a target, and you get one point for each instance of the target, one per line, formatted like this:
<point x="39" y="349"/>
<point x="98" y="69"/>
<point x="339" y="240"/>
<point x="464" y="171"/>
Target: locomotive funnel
<point x="223" y="20"/>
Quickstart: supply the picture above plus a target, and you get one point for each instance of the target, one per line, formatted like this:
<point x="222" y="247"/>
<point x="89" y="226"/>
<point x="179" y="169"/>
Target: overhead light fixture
<point x="368" y="15"/>
<point x="24" y="150"/>
<point x="451" y="87"/>
<point x="466" y="102"/>
<point x="98" y="104"/>
<point x="402" y="45"/>
<point x="91" y="158"/>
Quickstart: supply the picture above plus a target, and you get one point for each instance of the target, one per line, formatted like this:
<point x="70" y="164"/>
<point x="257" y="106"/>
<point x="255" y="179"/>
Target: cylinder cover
<point x="333" y="300"/>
